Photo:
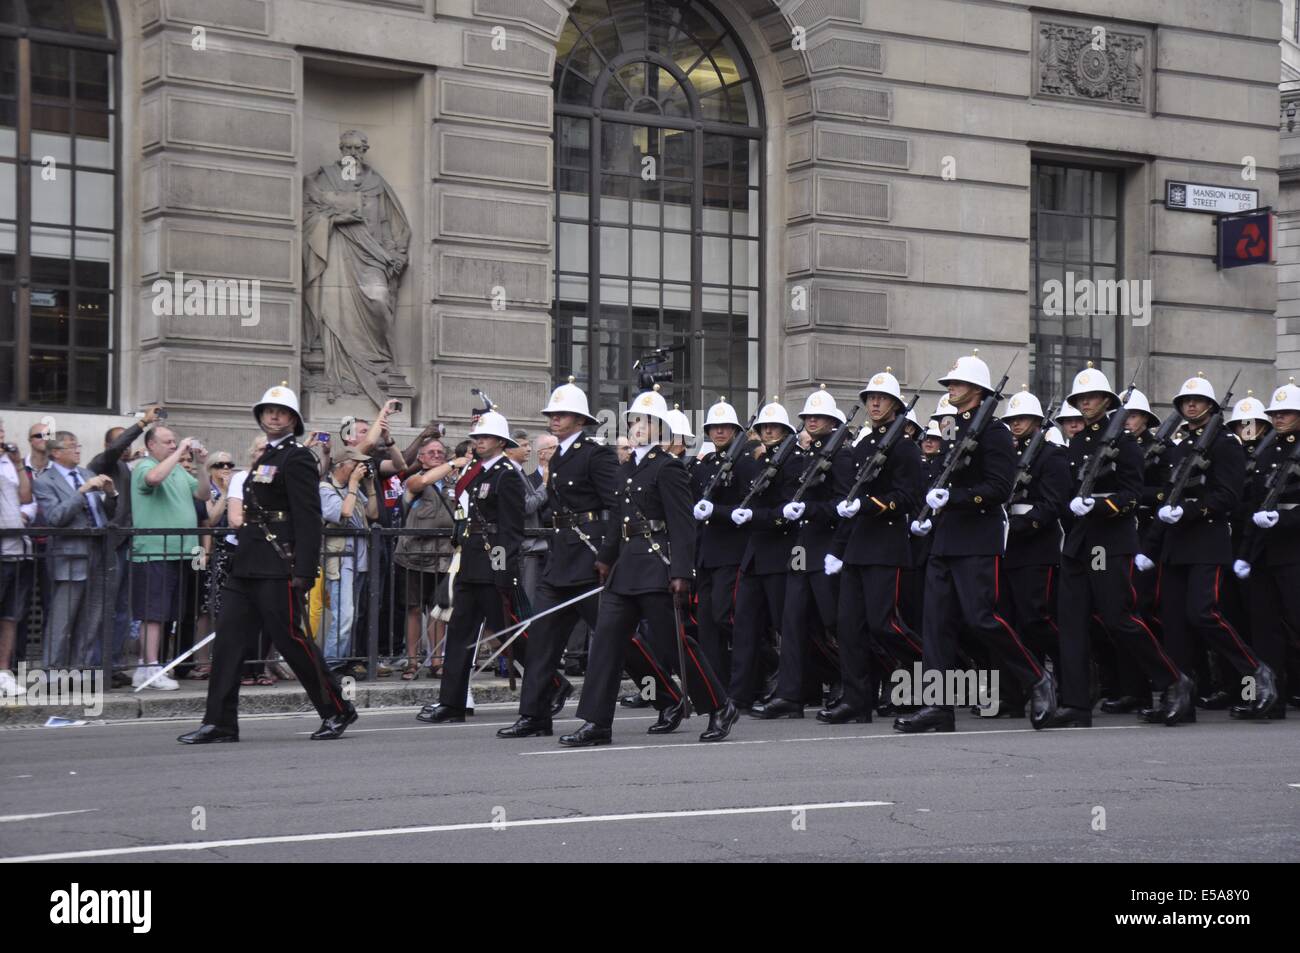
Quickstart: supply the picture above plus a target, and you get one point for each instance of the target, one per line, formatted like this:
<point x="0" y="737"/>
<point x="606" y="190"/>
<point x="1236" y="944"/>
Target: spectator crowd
<point x="154" y="591"/>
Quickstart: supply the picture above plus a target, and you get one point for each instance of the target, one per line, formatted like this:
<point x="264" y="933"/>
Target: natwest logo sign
<point x="1245" y="239"/>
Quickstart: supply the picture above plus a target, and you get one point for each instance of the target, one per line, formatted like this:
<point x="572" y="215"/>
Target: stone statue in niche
<point x="354" y="248"/>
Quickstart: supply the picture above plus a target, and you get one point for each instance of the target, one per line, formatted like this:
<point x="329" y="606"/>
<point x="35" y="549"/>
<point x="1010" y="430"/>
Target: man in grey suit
<point x="71" y="496"/>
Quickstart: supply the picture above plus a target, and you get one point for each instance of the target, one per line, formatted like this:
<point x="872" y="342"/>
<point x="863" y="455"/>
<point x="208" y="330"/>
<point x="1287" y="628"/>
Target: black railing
<point x="191" y="611"/>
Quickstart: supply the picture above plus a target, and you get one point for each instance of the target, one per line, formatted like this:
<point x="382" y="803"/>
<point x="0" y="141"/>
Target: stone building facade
<point x="860" y="183"/>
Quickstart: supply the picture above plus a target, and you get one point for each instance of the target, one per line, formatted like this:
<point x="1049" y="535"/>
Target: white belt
<point x="1020" y="509"/>
<point x="1102" y="496"/>
<point x="1287" y="506"/>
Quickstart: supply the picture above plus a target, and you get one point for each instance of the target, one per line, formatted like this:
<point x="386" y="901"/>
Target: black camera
<point x="9" y="447"/>
<point x="655" y="368"/>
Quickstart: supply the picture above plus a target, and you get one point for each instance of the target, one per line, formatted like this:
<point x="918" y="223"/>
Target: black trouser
<point x="809" y="656"/>
<point x="871" y="624"/>
<point x="547" y="638"/>
<point x="273" y="607"/>
<point x="1194" y="621"/>
<point x="961" y="592"/>
<point x="717" y="590"/>
<point x="474" y="604"/>
<point x="1028" y="599"/>
<point x="911" y="601"/>
<point x="1274" y="597"/>
<point x="615" y="632"/>
<point x="1109" y="595"/>
<point x="760" y="607"/>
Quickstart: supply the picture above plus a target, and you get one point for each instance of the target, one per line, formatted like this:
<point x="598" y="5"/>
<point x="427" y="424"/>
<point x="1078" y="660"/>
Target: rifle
<point x="1197" y="460"/>
<point x="1162" y="439"/>
<point x="1020" y="488"/>
<point x="1109" y="448"/>
<point x="821" y="464"/>
<point x="729" y="460"/>
<point x="961" y="452"/>
<point x="873" y="467"/>
<point x="1264" y="445"/>
<point x="775" y="461"/>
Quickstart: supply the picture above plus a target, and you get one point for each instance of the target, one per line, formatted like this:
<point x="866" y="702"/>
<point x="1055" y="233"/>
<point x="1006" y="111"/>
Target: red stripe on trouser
<point x="735" y="588"/>
<point x="1168" y="662"/>
<point x="699" y="668"/>
<point x="997" y="588"/>
<point x="1223" y="623"/>
<point x="1047" y="595"/>
<point x="297" y="637"/>
<point x="896" y="612"/>
<point x="657" y="670"/>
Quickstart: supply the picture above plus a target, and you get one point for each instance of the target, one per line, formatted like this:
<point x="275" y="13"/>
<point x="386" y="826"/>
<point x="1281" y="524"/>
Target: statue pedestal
<point x="320" y="413"/>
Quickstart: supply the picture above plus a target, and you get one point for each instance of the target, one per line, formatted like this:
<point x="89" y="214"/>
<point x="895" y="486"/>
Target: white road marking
<point x="688" y="746"/>
<point x="4" y="819"/>
<point x="1293" y="785"/>
<point x="435" y="829"/>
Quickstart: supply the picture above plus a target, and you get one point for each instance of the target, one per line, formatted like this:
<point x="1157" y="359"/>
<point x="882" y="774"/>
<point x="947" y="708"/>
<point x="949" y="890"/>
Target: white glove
<point x="1081" y="507"/>
<point x="793" y="511"/>
<point x="741" y="517"/>
<point x="1241" y="568"/>
<point x="937" y="499"/>
<point x="848" y="508"/>
<point x="921" y="529"/>
<point x="832" y="565"/>
<point x="703" y="510"/>
<point x="1143" y="564"/>
<point x="1265" y="519"/>
<point x="1170" y="514"/>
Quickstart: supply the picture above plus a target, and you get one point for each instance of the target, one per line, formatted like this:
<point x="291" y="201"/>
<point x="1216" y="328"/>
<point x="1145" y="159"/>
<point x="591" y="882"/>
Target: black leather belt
<point x="570" y="520"/>
<point x="270" y="516"/>
<point x="642" y="527"/>
<point x="482" y="529"/>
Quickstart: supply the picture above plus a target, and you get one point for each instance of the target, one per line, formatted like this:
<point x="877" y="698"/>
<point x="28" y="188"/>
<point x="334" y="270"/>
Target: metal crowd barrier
<point x="111" y="582"/>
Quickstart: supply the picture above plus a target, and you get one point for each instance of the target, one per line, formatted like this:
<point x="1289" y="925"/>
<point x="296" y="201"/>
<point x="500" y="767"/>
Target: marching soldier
<point x="933" y="447"/>
<point x="760" y="593"/>
<point x="1197" y="545"/>
<point x="1034" y="542"/>
<point x="871" y="550"/>
<point x="646" y="568"/>
<point x="1097" y="564"/>
<point x="1249" y="421"/>
<point x="962" y="576"/>
<point x="721" y="542"/>
<point x="1069" y="420"/>
<point x="272" y="570"/>
<point x="580" y="490"/>
<point x="808" y="618"/>
<point x="492" y="495"/>
<point x="1271" y="557"/>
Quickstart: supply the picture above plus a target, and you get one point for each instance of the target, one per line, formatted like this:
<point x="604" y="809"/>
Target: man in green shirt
<point x="162" y="497"/>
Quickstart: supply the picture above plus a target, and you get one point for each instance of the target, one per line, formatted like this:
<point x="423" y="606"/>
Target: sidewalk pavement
<point x="285" y="697"/>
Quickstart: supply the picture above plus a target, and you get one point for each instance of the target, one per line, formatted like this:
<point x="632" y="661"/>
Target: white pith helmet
<point x="1286" y="397"/>
<point x="493" y="424"/>
<point x="281" y="396"/>
<point x="822" y="403"/>
<point x="1024" y="404"/>
<point x="721" y="413"/>
<point x="651" y="403"/>
<point x="679" y="423"/>
<point x="1090" y="381"/>
<point x="1249" y="407"/>
<point x="569" y="399"/>
<point x="969" y="369"/>
<point x="1138" y="403"/>
<point x="774" y="413"/>
<point x="1197" y="386"/>
<point x="883" y="383"/>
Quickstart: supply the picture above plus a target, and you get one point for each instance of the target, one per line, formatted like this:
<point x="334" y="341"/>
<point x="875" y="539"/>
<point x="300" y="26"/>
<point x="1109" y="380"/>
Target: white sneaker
<point x="140" y="675"/>
<point x="163" y="683"/>
<point x="10" y="685"/>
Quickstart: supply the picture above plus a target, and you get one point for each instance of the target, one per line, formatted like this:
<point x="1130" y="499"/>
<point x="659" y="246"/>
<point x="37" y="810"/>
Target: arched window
<point x="659" y="165"/>
<point x="58" y="198"/>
